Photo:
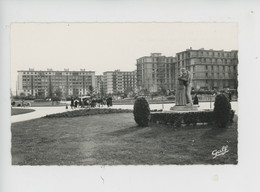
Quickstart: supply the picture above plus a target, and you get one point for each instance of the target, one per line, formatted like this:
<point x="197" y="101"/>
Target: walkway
<point x="39" y="112"/>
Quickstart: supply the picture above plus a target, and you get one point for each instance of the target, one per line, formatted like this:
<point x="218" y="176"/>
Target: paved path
<point x="39" y="112"/>
<point x="43" y="111"/>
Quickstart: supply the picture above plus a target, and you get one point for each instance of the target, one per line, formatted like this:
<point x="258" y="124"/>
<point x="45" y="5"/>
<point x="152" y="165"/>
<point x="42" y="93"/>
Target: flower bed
<point x="185" y="118"/>
<point x="87" y="112"/>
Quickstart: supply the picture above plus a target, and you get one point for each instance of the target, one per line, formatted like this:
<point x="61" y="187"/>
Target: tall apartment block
<point x="210" y="68"/>
<point x="45" y="83"/>
<point x="155" y="72"/>
<point x="119" y="82"/>
<point x="99" y="85"/>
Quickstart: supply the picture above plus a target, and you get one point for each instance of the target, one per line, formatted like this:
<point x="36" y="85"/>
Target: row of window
<point x="207" y="53"/>
<point x="214" y="68"/>
<point x="213" y="75"/>
<point x="55" y="73"/>
<point x="155" y="59"/>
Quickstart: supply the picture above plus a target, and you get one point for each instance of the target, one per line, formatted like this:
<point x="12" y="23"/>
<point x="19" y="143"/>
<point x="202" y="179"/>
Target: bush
<point x="88" y="112"/>
<point x="172" y="97"/>
<point x="141" y="111"/>
<point x="222" y="110"/>
<point x="188" y="118"/>
<point x="39" y="100"/>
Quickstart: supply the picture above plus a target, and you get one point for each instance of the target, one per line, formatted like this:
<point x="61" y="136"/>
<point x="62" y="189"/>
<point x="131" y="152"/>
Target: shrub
<point x="39" y="100"/>
<point x="87" y="112"/>
<point x="222" y="110"/>
<point x="188" y="118"/>
<point x="172" y="97"/>
<point x="141" y="111"/>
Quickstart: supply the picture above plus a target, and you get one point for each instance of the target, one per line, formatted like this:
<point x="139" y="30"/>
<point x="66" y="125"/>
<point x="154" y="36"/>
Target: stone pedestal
<point x="184" y="108"/>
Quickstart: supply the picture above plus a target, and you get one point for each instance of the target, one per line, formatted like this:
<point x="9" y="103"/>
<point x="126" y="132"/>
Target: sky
<point x="104" y="47"/>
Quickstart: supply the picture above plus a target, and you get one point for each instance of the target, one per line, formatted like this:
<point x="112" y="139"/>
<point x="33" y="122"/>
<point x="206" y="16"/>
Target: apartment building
<point x="99" y="85"/>
<point x="45" y="83"/>
<point x="119" y="82"/>
<point x="156" y="72"/>
<point x="211" y="69"/>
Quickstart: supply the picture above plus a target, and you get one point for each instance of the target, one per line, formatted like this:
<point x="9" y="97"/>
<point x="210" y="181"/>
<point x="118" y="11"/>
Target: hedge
<point x="87" y="112"/>
<point x="187" y="118"/>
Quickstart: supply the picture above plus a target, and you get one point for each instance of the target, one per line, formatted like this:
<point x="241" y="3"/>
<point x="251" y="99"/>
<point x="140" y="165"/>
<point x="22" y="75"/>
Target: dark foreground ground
<point x="115" y="139"/>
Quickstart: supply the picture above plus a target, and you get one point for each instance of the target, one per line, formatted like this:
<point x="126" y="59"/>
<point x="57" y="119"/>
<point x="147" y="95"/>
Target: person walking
<point x="76" y="104"/>
<point x="72" y="103"/>
<point x="195" y="100"/>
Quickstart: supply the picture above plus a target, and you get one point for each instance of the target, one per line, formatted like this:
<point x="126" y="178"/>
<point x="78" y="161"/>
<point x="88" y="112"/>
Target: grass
<point x="114" y="139"/>
<point x="18" y="111"/>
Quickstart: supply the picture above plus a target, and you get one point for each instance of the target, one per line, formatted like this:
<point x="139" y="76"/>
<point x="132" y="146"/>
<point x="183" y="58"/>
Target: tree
<point x="128" y="91"/>
<point x="91" y="89"/>
<point x="50" y="88"/>
<point x="22" y="95"/>
<point x="58" y="93"/>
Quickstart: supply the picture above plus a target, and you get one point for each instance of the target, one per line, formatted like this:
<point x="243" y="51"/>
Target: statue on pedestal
<point x="183" y="95"/>
<point x="181" y="91"/>
<point x="183" y="100"/>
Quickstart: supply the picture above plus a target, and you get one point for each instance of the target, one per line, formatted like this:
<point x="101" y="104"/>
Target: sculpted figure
<point x="181" y="91"/>
<point x="186" y="78"/>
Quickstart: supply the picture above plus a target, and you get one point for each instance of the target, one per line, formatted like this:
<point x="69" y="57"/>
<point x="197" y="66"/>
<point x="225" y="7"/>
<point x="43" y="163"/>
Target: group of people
<point x="22" y="104"/>
<point x="90" y="102"/>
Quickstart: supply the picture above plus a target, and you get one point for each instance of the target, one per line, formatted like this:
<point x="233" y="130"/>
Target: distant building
<point x="46" y="83"/>
<point x="156" y="72"/>
<point x="108" y="82"/>
<point x="211" y="69"/>
<point x="99" y="85"/>
<point x="116" y="82"/>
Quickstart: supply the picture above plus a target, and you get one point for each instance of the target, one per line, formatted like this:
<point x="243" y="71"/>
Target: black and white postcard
<point x="101" y="96"/>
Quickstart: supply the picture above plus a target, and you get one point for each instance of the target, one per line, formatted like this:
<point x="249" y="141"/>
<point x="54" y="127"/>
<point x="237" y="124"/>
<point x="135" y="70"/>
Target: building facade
<point x="116" y="82"/>
<point x="108" y="82"/>
<point x="46" y="83"/>
<point x="99" y="85"/>
<point x="211" y="69"/>
<point x="156" y="72"/>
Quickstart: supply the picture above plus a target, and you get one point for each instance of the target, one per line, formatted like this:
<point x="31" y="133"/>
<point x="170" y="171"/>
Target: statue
<point x="183" y="96"/>
<point x="183" y="100"/>
<point x="188" y="80"/>
<point x="181" y="91"/>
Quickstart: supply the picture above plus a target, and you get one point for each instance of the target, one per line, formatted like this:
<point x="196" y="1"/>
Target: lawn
<point x="18" y="111"/>
<point x="114" y="139"/>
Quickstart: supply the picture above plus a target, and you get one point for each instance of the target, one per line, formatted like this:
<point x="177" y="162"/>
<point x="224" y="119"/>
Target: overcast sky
<point x="104" y="47"/>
